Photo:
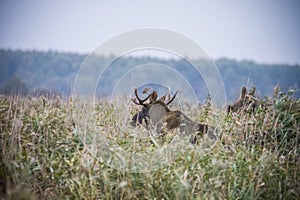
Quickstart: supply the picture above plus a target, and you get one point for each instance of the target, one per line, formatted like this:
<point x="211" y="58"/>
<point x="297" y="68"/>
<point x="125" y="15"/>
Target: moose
<point x="157" y="113"/>
<point x="245" y="102"/>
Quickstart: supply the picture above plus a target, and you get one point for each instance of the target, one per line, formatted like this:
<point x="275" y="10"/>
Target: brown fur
<point x="245" y="102"/>
<point x="166" y="120"/>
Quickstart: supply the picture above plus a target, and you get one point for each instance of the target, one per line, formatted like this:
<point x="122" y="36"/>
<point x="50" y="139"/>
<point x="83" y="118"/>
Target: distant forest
<point x="35" y="73"/>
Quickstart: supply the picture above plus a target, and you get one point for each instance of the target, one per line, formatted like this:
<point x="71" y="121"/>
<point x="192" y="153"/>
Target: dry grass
<point x="42" y="157"/>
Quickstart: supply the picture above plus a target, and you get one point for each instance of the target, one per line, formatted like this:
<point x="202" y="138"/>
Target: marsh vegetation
<point x="255" y="156"/>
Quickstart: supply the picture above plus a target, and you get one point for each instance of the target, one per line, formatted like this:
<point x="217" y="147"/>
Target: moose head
<point x="156" y="108"/>
<point x="245" y="102"/>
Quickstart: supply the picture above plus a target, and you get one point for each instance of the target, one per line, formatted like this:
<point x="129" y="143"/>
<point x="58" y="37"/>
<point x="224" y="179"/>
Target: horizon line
<point x="86" y="53"/>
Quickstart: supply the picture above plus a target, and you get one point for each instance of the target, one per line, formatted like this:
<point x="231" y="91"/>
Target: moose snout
<point x="137" y="118"/>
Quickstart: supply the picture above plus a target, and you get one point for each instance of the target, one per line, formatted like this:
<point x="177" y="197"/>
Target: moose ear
<point x="252" y="91"/>
<point x="153" y="97"/>
<point x="163" y="98"/>
<point x="244" y="91"/>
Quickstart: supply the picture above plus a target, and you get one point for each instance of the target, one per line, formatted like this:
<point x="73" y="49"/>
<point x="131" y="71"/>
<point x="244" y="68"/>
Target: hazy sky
<point x="262" y="30"/>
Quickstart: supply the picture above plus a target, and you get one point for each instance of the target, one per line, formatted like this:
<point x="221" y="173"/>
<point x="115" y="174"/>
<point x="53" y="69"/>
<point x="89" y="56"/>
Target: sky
<point x="265" y="31"/>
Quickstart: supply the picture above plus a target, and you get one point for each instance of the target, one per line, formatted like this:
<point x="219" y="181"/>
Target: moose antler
<point x="138" y="101"/>
<point x="166" y="98"/>
<point x="172" y="99"/>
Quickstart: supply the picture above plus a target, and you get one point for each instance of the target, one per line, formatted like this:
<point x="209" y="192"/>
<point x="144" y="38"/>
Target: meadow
<point x="44" y="156"/>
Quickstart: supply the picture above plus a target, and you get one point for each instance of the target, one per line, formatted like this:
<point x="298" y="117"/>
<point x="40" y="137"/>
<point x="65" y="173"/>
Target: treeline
<point x="47" y="71"/>
<point x="32" y="72"/>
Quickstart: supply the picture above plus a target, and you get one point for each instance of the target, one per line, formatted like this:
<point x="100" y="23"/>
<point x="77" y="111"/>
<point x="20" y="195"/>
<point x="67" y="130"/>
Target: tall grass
<point x="256" y="155"/>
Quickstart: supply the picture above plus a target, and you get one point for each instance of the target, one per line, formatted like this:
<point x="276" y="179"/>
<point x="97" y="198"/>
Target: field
<point x="45" y="156"/>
